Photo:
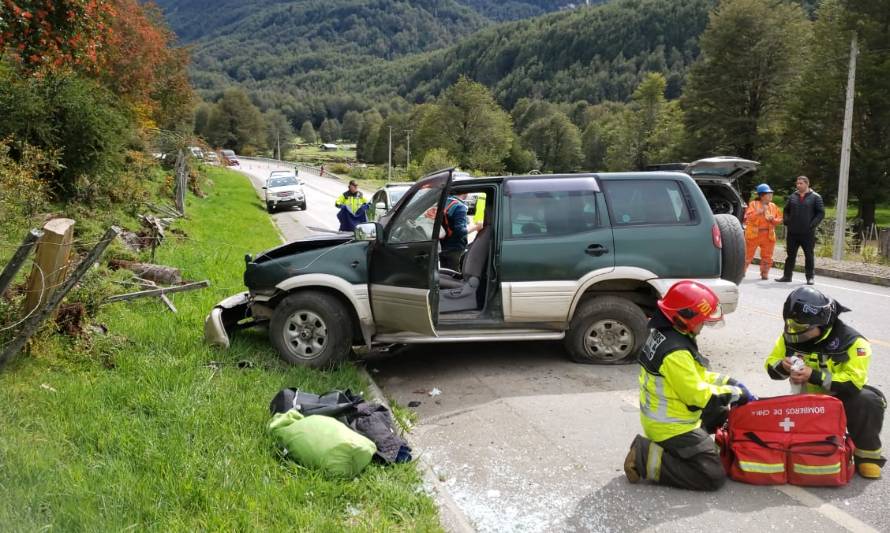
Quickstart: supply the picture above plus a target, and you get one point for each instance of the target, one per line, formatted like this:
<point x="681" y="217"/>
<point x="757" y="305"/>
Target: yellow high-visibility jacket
<point x="676" y="388"/>
<point x="839" y="359"/>
<point x="351" y="201"/>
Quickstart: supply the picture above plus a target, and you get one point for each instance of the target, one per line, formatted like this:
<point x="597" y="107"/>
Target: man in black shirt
<point x="803" y="213"/>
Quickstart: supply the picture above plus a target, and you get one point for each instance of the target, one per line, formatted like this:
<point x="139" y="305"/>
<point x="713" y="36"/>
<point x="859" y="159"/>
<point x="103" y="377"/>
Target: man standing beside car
<point x="803" y="212"/>
<point x="353" y="207"/>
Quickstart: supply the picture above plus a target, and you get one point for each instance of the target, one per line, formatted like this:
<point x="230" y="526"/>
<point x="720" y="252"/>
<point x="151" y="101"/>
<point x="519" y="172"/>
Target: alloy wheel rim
<point x="306" y="334"/>
<point x="608" y="340"/>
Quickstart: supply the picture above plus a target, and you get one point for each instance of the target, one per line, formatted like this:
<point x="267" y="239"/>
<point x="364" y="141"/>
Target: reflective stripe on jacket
<point x="756" y="222"/>
<point x="671" y="403"/>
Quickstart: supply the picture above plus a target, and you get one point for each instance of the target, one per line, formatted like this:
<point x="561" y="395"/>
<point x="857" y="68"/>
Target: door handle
<point x="422" y="257"/>
<point x="596" y="250"/>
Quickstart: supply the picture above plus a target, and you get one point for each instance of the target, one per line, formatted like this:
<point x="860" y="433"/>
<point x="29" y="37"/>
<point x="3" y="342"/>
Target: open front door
<point x="404" y="263"/>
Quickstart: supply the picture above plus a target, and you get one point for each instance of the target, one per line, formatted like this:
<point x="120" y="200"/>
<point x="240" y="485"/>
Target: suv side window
<point x="552" y="206"/>
<point x="641" y="202"/>
<point x="414" y="221"/>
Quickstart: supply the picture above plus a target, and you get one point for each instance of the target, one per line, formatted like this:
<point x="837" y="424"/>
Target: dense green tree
<point x="649" y="131"/>
<point x="818" y="110"/>
<point x="329" y="130"/>
<point x="236" y="123"/>
<point x="437" y="159"/>
<point x="470" y="125"/>
<point x="367" y="139"/>
<point x="752" y="53"/>
<point x="521" y="160"/>
<point x="352" y="126"/>
<point x="555" y="141"/>
<point x="279" y="131"/>
<point x="307" y="133"/>
<point x="201" y="118"/>
<point x="594" y="146"/>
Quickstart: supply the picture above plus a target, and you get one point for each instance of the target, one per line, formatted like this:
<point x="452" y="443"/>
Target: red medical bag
<point x="799" y="439"/>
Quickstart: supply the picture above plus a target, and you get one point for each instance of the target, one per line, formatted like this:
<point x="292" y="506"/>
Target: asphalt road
<point x="525" y="440"/>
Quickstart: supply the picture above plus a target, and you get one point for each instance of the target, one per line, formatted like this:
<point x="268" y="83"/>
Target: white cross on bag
<point x="786" y="424"/>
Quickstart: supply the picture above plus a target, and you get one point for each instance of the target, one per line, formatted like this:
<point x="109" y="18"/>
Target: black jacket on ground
<point x="802" y="215"/>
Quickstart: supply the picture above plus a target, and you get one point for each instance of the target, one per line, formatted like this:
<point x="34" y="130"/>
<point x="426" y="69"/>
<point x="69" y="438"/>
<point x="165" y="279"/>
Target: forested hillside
<point x="314" y="60"/>
<point x="521" y="9"/>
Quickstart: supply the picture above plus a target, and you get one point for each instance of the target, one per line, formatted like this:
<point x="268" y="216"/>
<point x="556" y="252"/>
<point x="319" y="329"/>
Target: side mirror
<point x="380" y="206"/>
<point x="366" y="231"/>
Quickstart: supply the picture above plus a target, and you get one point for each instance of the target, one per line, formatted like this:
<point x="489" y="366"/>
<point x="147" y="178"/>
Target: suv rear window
<point x="547" y="213"/>
<point x="638" y="202"/>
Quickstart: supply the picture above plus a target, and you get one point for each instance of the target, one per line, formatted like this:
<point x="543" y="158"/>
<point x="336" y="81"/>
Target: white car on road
<point x="284" y="189"/>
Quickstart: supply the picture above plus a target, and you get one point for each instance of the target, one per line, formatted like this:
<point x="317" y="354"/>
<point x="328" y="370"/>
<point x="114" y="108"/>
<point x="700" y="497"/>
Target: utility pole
<point x="389" y="170"/>
<point x="843" y="179"/>
<point x="408" y="159"/>
<point x="278" y="143"/>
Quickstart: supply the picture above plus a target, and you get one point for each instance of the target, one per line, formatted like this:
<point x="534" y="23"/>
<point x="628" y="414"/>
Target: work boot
<point x="783" y="279"/>
<point x="866" y="470"/>
<point x="630" y="464"/>
<point x="811" y="281"/>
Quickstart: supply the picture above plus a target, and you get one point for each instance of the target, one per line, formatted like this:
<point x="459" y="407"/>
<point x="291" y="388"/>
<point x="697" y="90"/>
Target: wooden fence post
<point x="32" y="323"/>
<point x="884" y="242"/>
<point x="50" y="262"/>
<point x="18" y="258"/>
<point x="179" y="183"/>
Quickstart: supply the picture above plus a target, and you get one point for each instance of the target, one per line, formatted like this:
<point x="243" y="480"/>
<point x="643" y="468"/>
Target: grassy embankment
<point x="148" y="428"/>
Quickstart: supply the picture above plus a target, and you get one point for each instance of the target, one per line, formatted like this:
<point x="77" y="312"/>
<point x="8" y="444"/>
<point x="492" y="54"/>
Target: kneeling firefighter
<point x="826" y="356"/>
<point x="681" y="402"/>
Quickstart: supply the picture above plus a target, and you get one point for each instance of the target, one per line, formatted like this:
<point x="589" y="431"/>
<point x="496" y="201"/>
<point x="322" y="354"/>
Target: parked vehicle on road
<point x="230" y="158"/>
<point x="284" y="189"/>
<point x="582" y="258"/>
<point x="196" y="152"/>
<point x="211" y="158"/>
<point x="386" y="198"/>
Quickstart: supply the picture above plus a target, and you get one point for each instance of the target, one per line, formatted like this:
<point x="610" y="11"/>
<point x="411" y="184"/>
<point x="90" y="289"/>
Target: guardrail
<point x="296" y="165"/>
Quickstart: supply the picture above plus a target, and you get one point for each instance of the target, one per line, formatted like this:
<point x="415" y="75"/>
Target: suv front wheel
<point x="311" y="329"/>
<point x="606" y="330"/>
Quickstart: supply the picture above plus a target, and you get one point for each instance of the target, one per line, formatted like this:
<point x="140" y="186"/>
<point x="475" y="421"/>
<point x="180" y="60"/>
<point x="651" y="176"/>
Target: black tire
<point x="270" y="208"/>
<point x="295" y="330"/>
<point x="606" y="330"/>
<point x="733" y="252"/>
<point x="303" y="206"/>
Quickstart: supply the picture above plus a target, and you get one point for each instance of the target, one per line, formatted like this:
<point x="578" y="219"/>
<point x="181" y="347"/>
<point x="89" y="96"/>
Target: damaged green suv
<point x="578" y="257"/>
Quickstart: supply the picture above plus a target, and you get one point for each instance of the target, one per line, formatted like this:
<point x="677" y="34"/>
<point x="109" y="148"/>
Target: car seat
<point x="457" y="291"/>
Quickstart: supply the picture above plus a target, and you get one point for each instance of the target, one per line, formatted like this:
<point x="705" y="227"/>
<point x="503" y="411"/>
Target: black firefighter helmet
<point x="807" y="312"/>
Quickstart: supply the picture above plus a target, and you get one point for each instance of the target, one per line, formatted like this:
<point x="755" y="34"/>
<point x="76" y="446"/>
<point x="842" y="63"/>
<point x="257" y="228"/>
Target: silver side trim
<point x="537" y="301"/>
<point x="472" y="336"/>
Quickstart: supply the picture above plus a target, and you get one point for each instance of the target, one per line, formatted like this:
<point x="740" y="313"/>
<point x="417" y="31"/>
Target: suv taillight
<point x="715" y="234"/>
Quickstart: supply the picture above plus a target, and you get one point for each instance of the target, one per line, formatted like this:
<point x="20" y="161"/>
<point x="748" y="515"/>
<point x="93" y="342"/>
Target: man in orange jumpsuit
<point x="761" y="219"/>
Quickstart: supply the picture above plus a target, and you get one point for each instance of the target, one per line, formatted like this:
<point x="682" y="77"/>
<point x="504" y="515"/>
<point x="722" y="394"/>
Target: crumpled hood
<point x="310" y="243"/>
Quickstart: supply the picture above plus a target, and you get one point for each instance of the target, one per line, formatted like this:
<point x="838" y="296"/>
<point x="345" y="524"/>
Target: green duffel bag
<point x="322" y="442"/>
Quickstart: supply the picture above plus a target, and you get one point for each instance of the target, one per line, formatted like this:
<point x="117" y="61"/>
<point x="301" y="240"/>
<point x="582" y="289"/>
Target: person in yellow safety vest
<point x="353" y="200"/>
<point x="834" y="359"/>
<point x="479" y="215"/>
<point x="681" y="401"/>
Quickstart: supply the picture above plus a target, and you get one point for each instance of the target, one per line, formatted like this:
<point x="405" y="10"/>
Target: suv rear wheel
<point x="606" y="330"/>
<point x="311" y="329"/>
<point x="733" y="251"/>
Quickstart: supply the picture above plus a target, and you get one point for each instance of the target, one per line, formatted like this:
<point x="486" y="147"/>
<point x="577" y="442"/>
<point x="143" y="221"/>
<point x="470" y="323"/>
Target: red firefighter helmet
<point x="687" y="304"/>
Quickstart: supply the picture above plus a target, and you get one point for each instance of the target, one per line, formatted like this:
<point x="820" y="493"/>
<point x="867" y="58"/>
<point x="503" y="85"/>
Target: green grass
<point x="315" y="153"/>
<point x="138" y="429"/>
<point x="882" y="214"/>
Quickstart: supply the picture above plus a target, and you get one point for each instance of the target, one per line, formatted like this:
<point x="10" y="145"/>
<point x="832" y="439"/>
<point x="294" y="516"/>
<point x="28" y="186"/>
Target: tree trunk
<point x="867" y="212"/>
<point x="157" y="273"/>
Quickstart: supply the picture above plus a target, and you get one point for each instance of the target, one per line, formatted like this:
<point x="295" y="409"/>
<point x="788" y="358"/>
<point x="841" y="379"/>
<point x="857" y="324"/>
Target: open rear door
<point x="403" y="264"/>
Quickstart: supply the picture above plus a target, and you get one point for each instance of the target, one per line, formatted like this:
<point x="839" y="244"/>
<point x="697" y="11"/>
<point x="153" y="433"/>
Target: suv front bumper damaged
<point x="226" y="316"/>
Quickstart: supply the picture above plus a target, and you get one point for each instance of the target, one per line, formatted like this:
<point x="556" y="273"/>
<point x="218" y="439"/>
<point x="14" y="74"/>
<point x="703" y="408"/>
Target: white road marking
<point x="839" y="517"/>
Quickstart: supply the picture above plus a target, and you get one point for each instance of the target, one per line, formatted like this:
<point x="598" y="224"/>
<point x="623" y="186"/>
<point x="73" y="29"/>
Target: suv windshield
<point x="282" y="181"/>
<point x="396" y="194"/>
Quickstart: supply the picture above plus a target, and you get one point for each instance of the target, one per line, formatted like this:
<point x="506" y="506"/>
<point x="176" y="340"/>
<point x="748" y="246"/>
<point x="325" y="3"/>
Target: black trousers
<point x="688" y="461"/>
<point x="807" y="241"/>
<point x="865" y="418"/>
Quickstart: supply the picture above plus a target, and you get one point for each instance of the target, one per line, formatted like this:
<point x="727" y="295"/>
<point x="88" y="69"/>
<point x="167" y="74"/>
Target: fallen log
<point x="164" y="275"/>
